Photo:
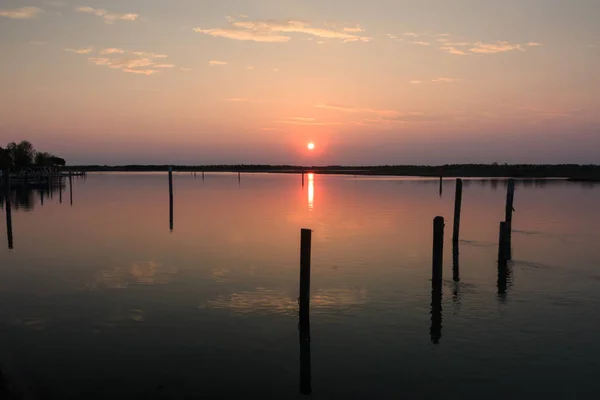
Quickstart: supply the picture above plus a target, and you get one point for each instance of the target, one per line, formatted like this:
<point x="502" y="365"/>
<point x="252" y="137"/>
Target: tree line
<point x="23" y="155"/>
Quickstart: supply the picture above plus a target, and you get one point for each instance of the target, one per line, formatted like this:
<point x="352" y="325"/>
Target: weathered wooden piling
<point x="71" y="187"/>
<point x="305" y="250"/>
<point x="510" y="196"/>
<point x="441" y="186"/>
<point x="438" y="251"/>
<point x="239" y="178"/>
<point x="171" y="198"/>
<point x="202" y="175"/>
<point x="304" y="314"/>
<point x="302" y="178"/>
<point x="8" y="209"/>
<point x="457" y="206"/>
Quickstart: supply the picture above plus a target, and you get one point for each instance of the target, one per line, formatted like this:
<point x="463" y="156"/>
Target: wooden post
<point x="302" y="178"/>
<point x="71" y="187"/>
<point x="510" y="196"/>
<point x="239" y="178"/>
<point x="60" y="189"/>
<point x="305" y="250"/>
<point x="457" y="206"/>
<point x="9" y="231"/>
<point x="438" y="251"/>
<point x="171" y="198"/>
<point x="304" y="323"/>
<point x="202" y="175"/>
<point x="441" y="186"/>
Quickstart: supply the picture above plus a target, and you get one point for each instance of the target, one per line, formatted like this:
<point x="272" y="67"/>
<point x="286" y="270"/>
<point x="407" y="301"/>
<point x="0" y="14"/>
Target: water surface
<point x="101" y="299"/>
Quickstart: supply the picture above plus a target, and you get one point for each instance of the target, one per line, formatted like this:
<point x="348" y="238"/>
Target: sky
<point x="254" y="81"/>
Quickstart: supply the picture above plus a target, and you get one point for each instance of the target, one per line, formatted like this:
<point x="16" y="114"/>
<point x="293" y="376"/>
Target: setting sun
<point x="310" y="146"/>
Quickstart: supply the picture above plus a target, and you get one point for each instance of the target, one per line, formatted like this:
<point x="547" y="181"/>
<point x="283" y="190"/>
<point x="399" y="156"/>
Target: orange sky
<point x="381" y="82"/>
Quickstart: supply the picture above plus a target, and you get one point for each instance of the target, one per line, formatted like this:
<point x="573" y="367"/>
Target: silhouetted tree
<point x="22" y="154"/>
<point x="5" y="159"/>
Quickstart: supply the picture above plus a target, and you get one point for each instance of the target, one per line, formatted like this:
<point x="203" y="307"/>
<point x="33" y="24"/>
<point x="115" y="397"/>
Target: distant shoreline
<point x="568" y="171"/>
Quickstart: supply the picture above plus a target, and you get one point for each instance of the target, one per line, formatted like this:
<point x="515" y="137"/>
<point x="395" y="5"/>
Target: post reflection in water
<point x="311" y="191"/>
<point x="435" y="331"/>
<point x="305" y="356"/>
<point x="9" y="231"/>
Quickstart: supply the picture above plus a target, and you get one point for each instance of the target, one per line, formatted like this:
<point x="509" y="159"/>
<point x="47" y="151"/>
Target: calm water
<point x="99" y="299"/>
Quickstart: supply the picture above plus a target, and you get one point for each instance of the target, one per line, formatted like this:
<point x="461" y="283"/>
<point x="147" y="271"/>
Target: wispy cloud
<point x="389" y="35"/>
<point x="453" y="50"/>
<point x="422" y="43"/>
<point x="411" y="34"/>
<point x="445" y="80"/>
<point x="306" y="121"/>
<point x="142" y="64"/>
<point x="436" y="80"/>
<point x="249" y="67"/>
<point x="276" y="32"/>
<point x="466" y="48"/>
<point x="349" y="109"/>
<point x="185" y="69"/>
<point x="111" y="50"/>
<point x="108" y="17"/>
<point x="147" y="54"/>
<point x="21" y="13"/>
<point x="237" y="100"/>
<point x="303" y="119"/>
<point x="79" y="51"/>
<point x="355" y="29"/>
<point x="217" y="62"/>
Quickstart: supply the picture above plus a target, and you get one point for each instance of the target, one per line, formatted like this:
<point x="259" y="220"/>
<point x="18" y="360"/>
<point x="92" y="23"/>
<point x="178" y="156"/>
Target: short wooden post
<point x="441" y="186"/>
<point x="71" y="187"/>
<point x="305" y="250"/>
<point x="438" y="251"/>
<point x="7" y="207"/>
<point x="302" y="178"/>
<point x="510" y="196"/>
<point x="60" y="189"/>
<point x="457" y="206"/>
<point x="171" y="198"/>
<point x="202" y="175"/>
<point x="239" y="178"/>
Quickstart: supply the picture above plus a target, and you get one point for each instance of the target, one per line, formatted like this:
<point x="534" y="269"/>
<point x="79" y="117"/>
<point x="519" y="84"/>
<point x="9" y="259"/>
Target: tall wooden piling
<point x="457" y="206"/>
<point x="438" y="251"/>
<point x="302" y="178"/>
<point x="510" y="196"/>
<point x="8" y="209"/>
<point x="441" y="186"/>
<point x="304" y="314"/>
<point x="171" y="198"/>
<point x="71" y="187"/>
<point x="305" y="250"/>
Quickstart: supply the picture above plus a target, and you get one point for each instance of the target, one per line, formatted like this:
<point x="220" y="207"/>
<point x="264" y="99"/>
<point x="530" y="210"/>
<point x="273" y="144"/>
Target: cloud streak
<point x="21" y="13"/>
<point x="79" y="51"/>
<point x="108" y="17"/>
<point x="278" y="31"/>
<point x="217" y="62"/>
<point x="141" y="63"/>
